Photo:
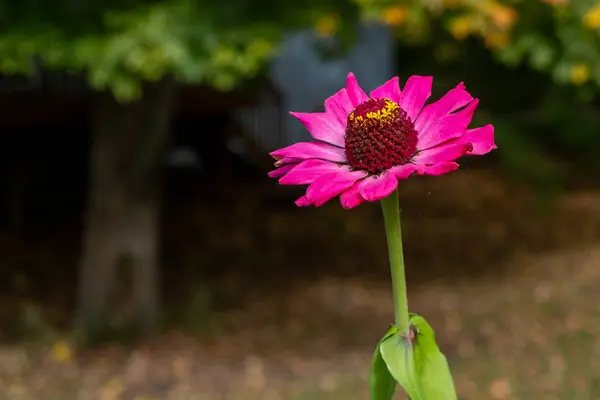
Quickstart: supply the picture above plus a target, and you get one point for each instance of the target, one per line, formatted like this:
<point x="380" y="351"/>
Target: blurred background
<point x="144" y="254"/>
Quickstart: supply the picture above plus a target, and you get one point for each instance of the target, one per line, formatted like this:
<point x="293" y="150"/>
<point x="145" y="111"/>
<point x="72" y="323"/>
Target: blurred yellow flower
<point x="394" y="15"/>
<point x="591" y="18"/>
<point x="496" y="40"/>
<point x="461" y="27"/>
<point x="328" y="25"/>
<point x="61" y="352"/>
<point x="504" y="17"/>
<point x="579" y="74"/>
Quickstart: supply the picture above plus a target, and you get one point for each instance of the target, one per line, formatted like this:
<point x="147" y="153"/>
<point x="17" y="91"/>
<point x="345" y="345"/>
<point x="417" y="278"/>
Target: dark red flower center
<point x="379" y="136"/>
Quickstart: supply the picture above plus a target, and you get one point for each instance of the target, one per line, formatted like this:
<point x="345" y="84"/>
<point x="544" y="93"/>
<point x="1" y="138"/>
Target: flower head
<point x="365" y="144"/>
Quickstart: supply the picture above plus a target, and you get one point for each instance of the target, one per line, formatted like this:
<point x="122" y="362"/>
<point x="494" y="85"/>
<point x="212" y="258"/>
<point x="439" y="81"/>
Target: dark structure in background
<point x="63" y="143"/>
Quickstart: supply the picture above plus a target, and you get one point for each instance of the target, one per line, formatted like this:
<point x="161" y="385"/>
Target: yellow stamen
<point x="384" y="115"/>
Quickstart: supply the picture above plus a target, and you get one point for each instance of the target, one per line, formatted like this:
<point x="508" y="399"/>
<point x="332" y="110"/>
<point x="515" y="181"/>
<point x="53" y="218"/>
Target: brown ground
<point x="300" y="297"/>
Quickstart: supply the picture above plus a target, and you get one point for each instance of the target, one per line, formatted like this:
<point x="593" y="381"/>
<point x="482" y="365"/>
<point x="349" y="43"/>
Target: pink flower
<point x="365" y="144"/>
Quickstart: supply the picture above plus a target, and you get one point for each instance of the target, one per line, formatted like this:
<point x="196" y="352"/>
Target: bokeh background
<point x="144" y="254"/>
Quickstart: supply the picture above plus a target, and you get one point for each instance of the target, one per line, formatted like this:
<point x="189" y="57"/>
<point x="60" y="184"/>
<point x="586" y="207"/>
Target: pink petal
<point x="308" y="171"/>
<point x="322" y="126"/>
<point x="403" y="171"/>
<point x="449" y="127"/>
<point x="306" y="150"/>
<point x="437" y="169"/>
<point x="355" y="92"/>
<point x="481" y="138"/>
<point x="287" y="160"/>
<point x="376" y="188"/>
<point x="389" y="90"/>
<point x="351" y="197"/>
<point x="414" y="95"/>
<point x="442" y="153"/>
<point x="279" y="172"/>
<point x="339" y="107"/>
<point x="303" y="202"/>
<point x="330" y="185"/>
<point x="430" y="117"/>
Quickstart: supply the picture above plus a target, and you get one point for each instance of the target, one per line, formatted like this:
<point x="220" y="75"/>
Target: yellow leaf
<point x="579" y="74"/>
<point x="591" y="19"/>
<point x="62" y="352"/>
<point x="496" y="40"/>
<point x="461" y="27"/>
<point x="394" y="15"/>
<point x="328" y="25"/>
<point x="504" y="17"/>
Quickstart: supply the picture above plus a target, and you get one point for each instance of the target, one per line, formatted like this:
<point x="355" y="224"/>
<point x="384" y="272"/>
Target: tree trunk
<point x="118" y="287"/>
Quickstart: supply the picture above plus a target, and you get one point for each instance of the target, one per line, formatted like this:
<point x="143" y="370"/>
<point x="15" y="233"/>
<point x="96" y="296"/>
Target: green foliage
<point x="535" y="65"/>
<point x="558" y="37"/>
<point x="382" y="384"/>
<point x="120" y="45"/>
<point x="561" y="40"/>
<point x="551" y="47"/>
<point x="419" y="366"/>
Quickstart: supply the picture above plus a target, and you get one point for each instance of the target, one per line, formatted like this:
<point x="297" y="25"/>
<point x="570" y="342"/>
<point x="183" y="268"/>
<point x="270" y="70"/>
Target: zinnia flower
<point x="365" y="144"/>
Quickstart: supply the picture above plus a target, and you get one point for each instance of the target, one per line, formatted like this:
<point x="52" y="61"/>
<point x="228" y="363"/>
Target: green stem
<point x="391" y="217"/>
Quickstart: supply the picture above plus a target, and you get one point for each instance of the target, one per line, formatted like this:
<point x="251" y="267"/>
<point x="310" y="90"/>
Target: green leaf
<point x="437" y="380"/>
<point x="418" y="365"/>
<point x="382" y="384"/>
<point x="542" y="56"/>
<point x="121" y="45"/>
<point x="398" y="355"/>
